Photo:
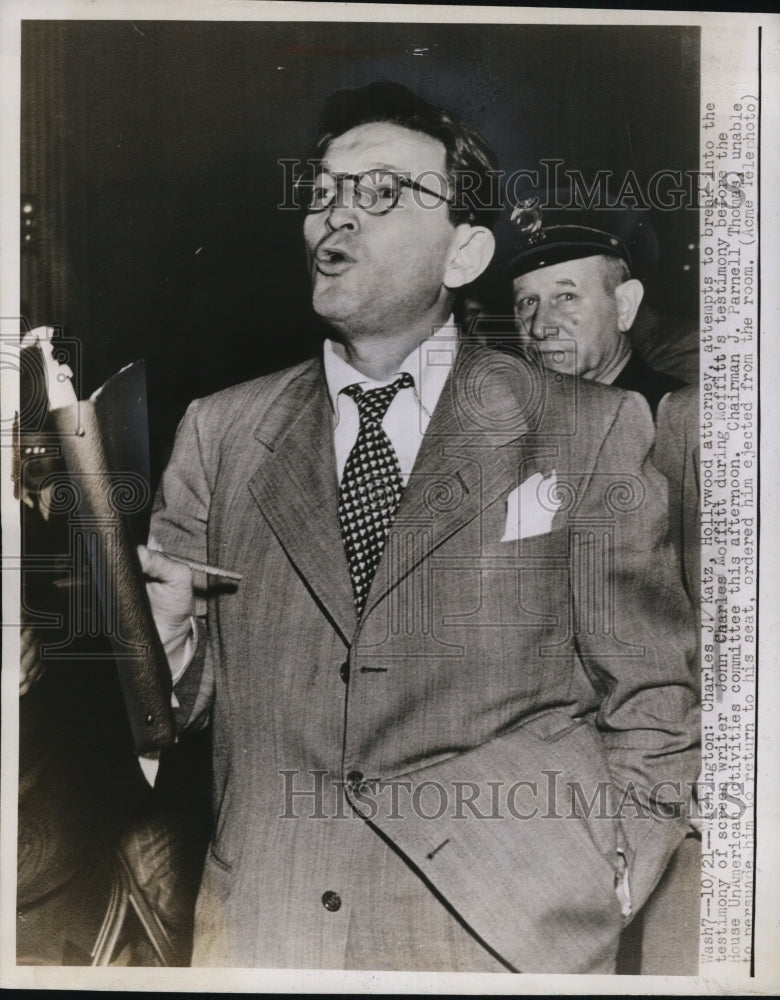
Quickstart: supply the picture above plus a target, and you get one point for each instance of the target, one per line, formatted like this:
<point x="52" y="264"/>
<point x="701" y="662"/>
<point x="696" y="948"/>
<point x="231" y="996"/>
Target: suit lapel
<point x="464" y="464"/>
<point x="297" y="491"/>
<point x="468" y="458"/>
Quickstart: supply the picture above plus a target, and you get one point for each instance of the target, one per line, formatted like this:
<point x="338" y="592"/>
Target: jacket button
<point x="344" y="671"/>
<point x="331" y="901"/>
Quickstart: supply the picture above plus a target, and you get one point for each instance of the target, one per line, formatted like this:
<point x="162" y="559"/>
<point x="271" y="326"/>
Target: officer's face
<point x="568" y="318"/>
<point x="378" y="274"/>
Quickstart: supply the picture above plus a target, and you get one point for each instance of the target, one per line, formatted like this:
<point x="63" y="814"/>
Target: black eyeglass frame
<point x="403" y="180"/>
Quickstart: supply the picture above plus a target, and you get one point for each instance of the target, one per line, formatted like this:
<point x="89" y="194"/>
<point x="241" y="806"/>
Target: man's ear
<point x="628" y="297"/>
<point x="472" y="251"/>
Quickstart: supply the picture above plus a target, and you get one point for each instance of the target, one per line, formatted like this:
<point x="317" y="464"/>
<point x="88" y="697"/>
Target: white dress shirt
<point x="409" y="414"/>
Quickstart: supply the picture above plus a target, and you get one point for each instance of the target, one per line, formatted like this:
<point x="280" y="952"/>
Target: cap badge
<point x="527" y="218"/>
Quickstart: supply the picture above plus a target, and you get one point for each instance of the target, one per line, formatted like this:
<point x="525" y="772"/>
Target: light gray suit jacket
<point x="546" y="679"/>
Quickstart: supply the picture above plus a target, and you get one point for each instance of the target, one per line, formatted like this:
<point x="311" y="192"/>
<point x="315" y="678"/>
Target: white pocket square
<point x="531" y="507"/>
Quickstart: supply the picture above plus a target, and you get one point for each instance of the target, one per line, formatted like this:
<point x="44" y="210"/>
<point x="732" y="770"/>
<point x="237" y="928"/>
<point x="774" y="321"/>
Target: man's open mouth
<point x="332" y="260"/>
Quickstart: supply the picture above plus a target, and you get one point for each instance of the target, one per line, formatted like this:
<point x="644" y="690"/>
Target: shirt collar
<point x="429" y="364"/>
<point x="609" y="376"/>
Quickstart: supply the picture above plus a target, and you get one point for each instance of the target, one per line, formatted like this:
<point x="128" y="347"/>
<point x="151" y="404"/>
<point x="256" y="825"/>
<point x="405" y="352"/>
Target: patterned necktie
<point x="371" y="486"/>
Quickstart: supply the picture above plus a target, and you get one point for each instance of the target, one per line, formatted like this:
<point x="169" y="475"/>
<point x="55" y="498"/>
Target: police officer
<point x="575" y="300"/>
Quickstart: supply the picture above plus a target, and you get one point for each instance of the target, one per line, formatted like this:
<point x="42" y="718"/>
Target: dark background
<point x="149" y="167"/>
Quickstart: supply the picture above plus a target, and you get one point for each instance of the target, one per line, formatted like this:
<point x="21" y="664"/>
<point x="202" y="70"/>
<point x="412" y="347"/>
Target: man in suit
<point x="453" y="712"/>
<point x="575" y="302"/>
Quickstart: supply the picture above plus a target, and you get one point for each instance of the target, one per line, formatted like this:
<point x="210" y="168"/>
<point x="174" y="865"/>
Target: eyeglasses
<point x="374" y="191"/>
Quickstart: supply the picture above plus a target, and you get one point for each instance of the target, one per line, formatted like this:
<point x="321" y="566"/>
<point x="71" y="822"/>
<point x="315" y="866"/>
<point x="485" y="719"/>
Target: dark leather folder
<point x="104" y="444"/>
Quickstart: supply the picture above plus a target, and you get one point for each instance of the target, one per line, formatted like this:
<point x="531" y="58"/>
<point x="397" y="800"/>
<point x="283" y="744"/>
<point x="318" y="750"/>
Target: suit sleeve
<point x="179" y="525"/>
<point x="639" y="653"/>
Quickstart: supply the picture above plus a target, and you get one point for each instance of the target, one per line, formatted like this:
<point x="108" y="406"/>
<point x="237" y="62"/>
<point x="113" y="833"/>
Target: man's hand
<point x="169" y="585"/>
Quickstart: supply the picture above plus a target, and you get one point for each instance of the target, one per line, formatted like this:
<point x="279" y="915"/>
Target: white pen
<point x="229" y="574"/>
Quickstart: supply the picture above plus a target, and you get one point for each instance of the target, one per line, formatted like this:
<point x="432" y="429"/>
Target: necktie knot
<point x="373" y="404"/>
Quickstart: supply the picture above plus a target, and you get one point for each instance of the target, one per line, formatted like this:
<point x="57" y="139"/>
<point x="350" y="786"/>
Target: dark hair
<point x="472" y="165"/>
